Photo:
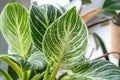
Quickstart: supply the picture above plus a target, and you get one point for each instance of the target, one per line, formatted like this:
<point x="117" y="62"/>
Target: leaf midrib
<point x="20" y="38"/>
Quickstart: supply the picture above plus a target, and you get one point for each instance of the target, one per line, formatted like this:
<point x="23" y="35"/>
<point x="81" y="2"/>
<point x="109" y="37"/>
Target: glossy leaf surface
<point x="65" y="40"/>
<point x="40" y="18"/>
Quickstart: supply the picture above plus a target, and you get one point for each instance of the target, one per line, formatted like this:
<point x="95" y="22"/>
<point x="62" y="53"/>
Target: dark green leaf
<point x="113" y="7"/>
<point x="107" y="3"/>
<point x="110" y="7"/>
<point x="65" y="40"/>
<point x="40" y="18"/>
<point x="99" y="43"/>
<point x="116" y="1"/>
<point x="12" y="73"/>
<point x="96" y="70"/>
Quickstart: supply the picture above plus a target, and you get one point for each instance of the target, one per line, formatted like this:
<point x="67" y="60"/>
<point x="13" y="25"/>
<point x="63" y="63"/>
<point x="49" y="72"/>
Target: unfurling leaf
<point x="40" y="18"/>
<point x="96" y="70"/>
<point x="35" y="61"/>
<point x="15" y="29"/>
<point x="65" y="40"/>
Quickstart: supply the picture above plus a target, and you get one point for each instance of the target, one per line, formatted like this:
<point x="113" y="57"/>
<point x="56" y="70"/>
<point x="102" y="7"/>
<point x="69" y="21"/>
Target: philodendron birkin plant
<point x="45" y="41"/>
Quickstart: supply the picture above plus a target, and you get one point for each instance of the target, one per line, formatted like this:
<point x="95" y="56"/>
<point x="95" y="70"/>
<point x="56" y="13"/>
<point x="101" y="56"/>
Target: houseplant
<point x="46" y="38"/>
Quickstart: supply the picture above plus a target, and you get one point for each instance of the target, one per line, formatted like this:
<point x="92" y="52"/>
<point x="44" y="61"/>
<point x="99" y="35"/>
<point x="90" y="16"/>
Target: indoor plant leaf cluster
<point x="59" y="40"/>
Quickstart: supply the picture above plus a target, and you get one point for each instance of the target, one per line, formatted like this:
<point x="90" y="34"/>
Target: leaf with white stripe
<point x="35" y="61"/>
<point x="65" y="40"/>
<point x="40" y="18"/>
<point x="96" y="70"/>
<point x="15" y="29"/>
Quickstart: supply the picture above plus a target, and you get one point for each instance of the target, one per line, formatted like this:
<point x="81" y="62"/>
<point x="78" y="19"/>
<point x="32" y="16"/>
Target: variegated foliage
<point x="65" y="40"/>
<point x="40" y="18"/>
<point x="14" y="27"/>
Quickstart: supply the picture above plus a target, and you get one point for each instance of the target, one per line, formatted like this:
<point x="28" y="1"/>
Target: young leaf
<point x="35" y="61"/>
<point x="99" y="43"/>
<point x="40" y="18"/>
<point x="65" y="40"/>
<point x="14" y="27"/>
<point x="96" y="70"/>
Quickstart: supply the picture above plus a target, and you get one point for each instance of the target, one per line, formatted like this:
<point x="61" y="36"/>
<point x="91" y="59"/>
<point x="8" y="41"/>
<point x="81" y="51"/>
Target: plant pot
<point x="115" y="39"/>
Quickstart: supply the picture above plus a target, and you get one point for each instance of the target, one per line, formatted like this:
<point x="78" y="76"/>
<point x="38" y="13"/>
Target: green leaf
<point x="40" y="18"/>
<point x="113" y="7"/>
<point x="15" y="28"/>
<point x="99" y="43"/>
<point x="110" y="7"/>
<point x="35" y="61"/>
<point x="107" y="3"/>
<point x="12" y="73"/>
<point x="5" y="74"/>
<point x="96" y="70"/>
<point x="12" y="64"/>
<point x="116" y="1"/>
<point x="110" y="2"/>
<point x="65" y="40"/>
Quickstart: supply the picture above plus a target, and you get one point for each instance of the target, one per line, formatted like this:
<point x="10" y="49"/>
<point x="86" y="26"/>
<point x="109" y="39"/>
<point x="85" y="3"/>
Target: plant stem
<point x="25" y="76"/>
<point x="55" y="72"/>
<point x="46" y="73"/>
<point x="38" y="76"/>
<point x="99" y="22"/>
<point x="28" y="74"/>
<point x="106" y="55"/>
